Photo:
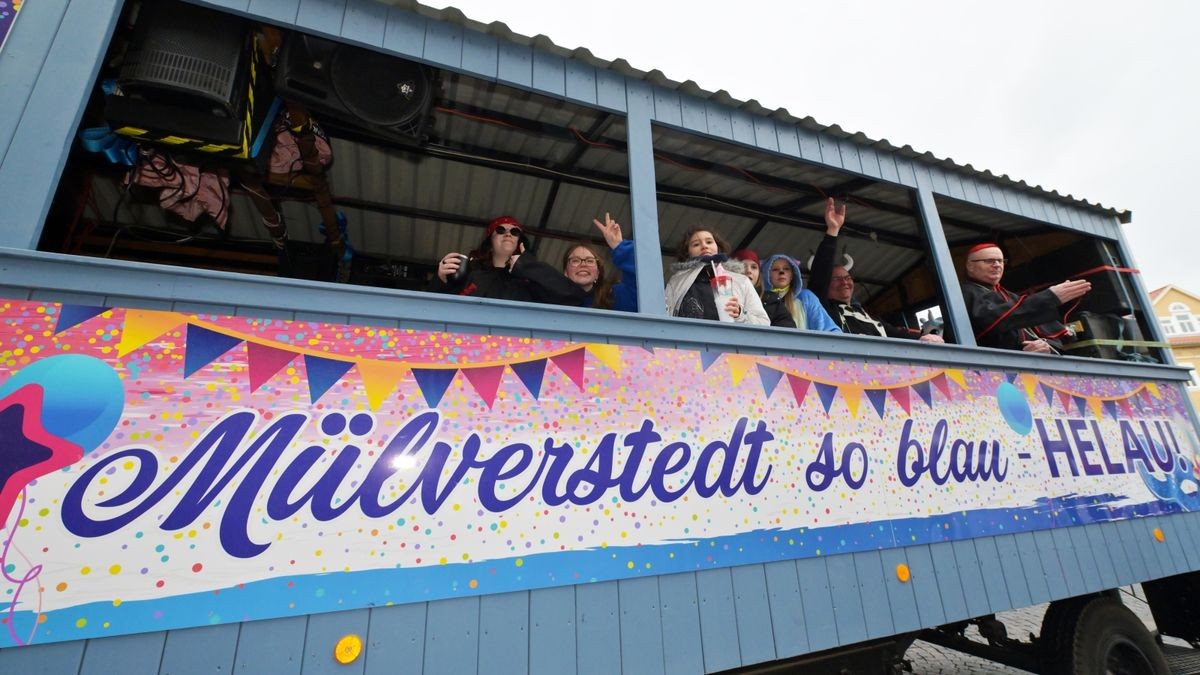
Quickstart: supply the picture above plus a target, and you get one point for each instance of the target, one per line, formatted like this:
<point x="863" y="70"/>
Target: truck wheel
<point x="1107" y="638"/>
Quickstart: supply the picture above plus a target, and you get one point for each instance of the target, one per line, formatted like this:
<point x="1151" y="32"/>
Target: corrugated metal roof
<point x="691" y="88"/>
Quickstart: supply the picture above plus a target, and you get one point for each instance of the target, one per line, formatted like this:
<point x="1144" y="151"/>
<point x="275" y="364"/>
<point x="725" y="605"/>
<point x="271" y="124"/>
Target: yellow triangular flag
<point x="609" y="355"/>
<point x="1153" y="389"/>
<point x="852" y="394"/>
<point x="1030" y="381"/>
<point x="380" y="379"/>
<point x="739" y="365"/>
<point x="1096" y="406"/>
<point x="143" y="325"/>
<point x="957" y="376"/>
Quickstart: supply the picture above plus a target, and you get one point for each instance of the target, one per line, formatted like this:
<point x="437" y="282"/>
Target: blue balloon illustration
<point x="1014" y="408"/>
<point x="83" y="397"/>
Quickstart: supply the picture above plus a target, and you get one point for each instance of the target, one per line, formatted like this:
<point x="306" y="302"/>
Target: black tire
<point x="1107" y="639"/>
<point x="1057" y="632"/>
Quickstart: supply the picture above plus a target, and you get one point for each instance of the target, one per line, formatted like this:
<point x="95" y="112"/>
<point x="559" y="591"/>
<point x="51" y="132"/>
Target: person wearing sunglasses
<point x="584" y="265"/>
<point x="501" y="269"/>
<point x="835" y="286"/>
<point x="1008" y="320"/>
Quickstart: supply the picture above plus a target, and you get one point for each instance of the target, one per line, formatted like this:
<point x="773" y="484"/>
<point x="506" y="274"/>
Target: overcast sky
<point x="1097" y="99"/>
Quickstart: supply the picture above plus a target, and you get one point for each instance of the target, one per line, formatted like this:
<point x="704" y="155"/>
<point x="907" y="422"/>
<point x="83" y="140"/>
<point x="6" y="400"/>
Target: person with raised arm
<point x="584" y="265"/>
<point x="1007" y="320"/>
<point x="834" y="285"/>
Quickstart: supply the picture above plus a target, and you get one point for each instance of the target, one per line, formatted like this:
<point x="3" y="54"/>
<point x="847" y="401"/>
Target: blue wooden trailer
<point x="216" y="459"/>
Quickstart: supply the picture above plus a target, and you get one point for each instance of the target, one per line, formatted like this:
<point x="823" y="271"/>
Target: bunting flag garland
<point x="530" y="373"/>
<point x="264" y="362"/>
<point x="769" y="377"/>
<point x="70" y="316"/>
<point x="205" y="342"/>
<point x="205" y="346"/>
<point x="571" y="363"/>
<point x="323" y="373"/>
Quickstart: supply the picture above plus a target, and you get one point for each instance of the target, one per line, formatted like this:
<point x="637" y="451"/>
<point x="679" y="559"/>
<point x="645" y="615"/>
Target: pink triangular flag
<point x="265" y="362"/>
<point x="943" y="386"/>
<point x="571" y="364"/>
<point x="901" y="394"/>
<point x="799" y="387"/>
<point x="485" y="380"/>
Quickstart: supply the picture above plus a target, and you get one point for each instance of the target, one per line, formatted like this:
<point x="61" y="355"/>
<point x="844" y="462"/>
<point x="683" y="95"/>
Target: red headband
<point x="503" y="220"/>
<point x="979" y="247"/>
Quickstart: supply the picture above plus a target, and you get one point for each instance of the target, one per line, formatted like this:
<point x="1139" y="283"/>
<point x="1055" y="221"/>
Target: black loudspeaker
<point x="191" y="79"/>
<point x="387" y="96"/>
<point x="1103" y="336"/>
<point x="1092" y="259"/>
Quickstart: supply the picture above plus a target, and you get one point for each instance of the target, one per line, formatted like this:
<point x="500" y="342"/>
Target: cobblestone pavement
<point x="931" y="659"/>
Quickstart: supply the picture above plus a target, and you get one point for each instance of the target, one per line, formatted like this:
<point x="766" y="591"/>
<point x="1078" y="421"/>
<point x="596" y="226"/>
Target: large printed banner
<point x="161" y="470"/>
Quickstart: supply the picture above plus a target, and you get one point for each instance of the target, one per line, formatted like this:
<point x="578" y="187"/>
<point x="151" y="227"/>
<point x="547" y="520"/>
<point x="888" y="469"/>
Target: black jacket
<point x="851" y="318"/>
<point x="1003" y="319"/>
<point x="530" y="281"/>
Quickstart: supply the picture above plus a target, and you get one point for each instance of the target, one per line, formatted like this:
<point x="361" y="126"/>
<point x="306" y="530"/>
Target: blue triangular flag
<point x="204" y="346"/>
<point x="530" y="373"/>
<point x="1011" y="377"/>
<point x="878" y="398"/>
<point x="922" y="389"/>
<point x="770" y="378"/>
<point x="433" y="383"/>
<point x="1048" y="393"/>
<point x="70" y="316"/>
<point x="1111" y="408"/>
<point x="827" y="392"/>
<point x="323" y="373"/>
<point x="708" y="358"/>
<point x="1081" y="404"/>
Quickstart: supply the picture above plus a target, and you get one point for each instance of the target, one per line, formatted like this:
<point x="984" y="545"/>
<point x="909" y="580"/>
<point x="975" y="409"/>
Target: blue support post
<point x="943" y="265"/>
<point x="643" y="200"/>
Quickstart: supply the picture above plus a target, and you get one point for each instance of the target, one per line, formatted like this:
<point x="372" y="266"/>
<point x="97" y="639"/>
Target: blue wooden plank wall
<point x="684" y="623"/>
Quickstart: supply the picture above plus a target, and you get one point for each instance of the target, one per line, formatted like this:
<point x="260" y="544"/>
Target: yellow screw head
<point x="348" y="648"/>
<point x="902" y="573"/>
<point x="1158" y="535"/>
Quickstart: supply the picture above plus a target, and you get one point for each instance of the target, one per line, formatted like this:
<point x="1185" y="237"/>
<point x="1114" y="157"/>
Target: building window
<point x="1185" y="323"/>
<point x="1178" y="308"/>
<point x="1168" y="325"/>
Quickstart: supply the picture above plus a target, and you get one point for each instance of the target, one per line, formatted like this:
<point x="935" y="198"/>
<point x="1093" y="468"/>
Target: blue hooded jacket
<point x="814" y="315"/>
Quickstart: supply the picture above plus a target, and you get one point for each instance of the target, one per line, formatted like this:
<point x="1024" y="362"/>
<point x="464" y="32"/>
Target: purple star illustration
<point x="27" y="450"/>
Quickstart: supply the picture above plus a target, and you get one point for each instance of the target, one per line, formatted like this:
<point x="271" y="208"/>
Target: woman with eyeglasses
<point x="584" y="265"/>
<point x="1008" y="320"/>
<point x="499" y="268"/>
